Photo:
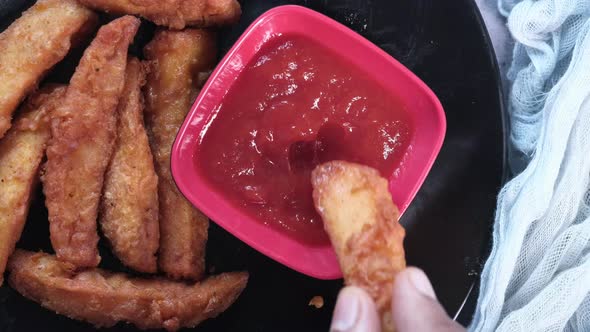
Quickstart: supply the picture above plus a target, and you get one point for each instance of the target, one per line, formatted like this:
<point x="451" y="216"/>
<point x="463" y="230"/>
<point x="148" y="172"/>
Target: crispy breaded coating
<point x="362" y="223"/>
<point x="175" y="14"/>
<point x="176" y="59"/>
<point x="21" y="151"/>
<point x="104" y="298"/>
<point x="129" y="206"/>
<point x="32" y="44"/>
<point x="83" y="132"/>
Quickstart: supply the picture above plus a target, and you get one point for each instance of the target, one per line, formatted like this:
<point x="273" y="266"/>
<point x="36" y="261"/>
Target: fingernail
<point x="420" y="281"/>
<point x="346" y="312"/>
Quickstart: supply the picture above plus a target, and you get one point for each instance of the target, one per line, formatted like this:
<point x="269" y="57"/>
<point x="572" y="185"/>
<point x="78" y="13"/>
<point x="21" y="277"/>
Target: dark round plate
<point x="449" y="222"/>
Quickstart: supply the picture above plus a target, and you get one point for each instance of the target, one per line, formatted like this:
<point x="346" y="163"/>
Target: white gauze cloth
<point x="537" y="277"/>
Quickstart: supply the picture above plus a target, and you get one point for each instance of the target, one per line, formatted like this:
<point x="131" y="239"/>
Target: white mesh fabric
<point x="537" y="277"/>
<point x="545" y="32"/>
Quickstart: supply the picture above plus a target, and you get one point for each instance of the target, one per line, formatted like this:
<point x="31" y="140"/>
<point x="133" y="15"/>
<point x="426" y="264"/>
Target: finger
<point x="414" y="305"/>
<point x="355" y="312"/>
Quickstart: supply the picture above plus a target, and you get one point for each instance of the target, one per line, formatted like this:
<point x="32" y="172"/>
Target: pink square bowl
<point x="424" y="109"/>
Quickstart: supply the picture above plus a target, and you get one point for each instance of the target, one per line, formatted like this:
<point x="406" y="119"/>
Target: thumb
<point x="414" y="305"/>
<point x="355" y="312"/>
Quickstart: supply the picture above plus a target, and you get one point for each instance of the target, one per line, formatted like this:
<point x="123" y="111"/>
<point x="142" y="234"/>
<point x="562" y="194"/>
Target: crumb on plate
<point x="317" y="301"/>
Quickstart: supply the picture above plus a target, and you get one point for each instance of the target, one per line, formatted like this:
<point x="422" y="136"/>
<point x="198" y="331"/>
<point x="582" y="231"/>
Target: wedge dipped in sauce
<point x="362" y="221"/>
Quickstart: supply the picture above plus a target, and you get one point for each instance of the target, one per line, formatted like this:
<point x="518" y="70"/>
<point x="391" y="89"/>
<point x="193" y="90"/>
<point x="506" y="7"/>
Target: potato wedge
<point x="21" y="152"/>
<point x="83" y="130"/>
<point x="129" y="205"/>
<point x="362" y="223"/>
<point x="176" y="60"/>
<point x="35" y="42"/>
<point x="175" y="14"/>
<point x="104" y="298"/>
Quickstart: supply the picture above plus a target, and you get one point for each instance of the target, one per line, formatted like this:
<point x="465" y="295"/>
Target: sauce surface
<point x="294" y="106"/>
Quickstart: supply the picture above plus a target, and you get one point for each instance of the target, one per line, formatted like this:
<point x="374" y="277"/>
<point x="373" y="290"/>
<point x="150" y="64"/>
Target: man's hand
<point x="414" y="308"/>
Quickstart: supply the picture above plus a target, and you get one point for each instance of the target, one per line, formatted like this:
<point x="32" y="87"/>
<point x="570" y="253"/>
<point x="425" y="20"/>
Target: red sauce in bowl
<point x="294" y="106"/>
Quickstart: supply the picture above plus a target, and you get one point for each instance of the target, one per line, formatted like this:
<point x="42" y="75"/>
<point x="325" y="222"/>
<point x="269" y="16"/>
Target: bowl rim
<point x="318" y="262"/>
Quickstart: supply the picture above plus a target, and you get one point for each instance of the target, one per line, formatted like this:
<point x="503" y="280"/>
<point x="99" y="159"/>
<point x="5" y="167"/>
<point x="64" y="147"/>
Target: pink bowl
<point x="424" y="109"/>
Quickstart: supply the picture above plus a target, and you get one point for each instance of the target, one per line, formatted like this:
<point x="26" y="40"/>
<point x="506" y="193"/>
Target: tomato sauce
<point x="294" y="106"/>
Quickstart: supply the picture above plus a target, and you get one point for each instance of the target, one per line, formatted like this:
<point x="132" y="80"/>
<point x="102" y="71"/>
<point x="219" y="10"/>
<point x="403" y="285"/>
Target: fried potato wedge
<point x="83" y="132"/>
<point x="129" y="206"/>
<point x="21" y="152"/>
<point x="35" y="42"/>
<point x="362" y="223"/>
<point x="104" y="298"/>
<point x="175" y="14"/>
<point x="176" y="60"/>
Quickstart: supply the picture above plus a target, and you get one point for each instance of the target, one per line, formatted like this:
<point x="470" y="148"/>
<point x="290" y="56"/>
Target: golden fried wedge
<point x="32" y="44"/>
<point x="175" y="14"/>
<point x="83" y="132"/>
<point x="21" y="151"/>
<point x="104" y="298"/>
<point x="176" y="59"/>
<point x="362" y="223"/>
<point x="129" y="206"/>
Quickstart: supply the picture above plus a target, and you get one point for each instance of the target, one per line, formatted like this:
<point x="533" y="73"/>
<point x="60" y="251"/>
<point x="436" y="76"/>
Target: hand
<point x="414" y="307"/>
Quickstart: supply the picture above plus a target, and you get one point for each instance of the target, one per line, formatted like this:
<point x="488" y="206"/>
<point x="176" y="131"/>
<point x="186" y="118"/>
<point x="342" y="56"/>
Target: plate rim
<point x="473" y="290"/>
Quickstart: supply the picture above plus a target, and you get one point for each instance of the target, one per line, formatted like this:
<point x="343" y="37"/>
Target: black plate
<point x="449" y="222"/>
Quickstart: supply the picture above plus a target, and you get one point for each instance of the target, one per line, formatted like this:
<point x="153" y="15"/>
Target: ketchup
<point x="296" y="105"/>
